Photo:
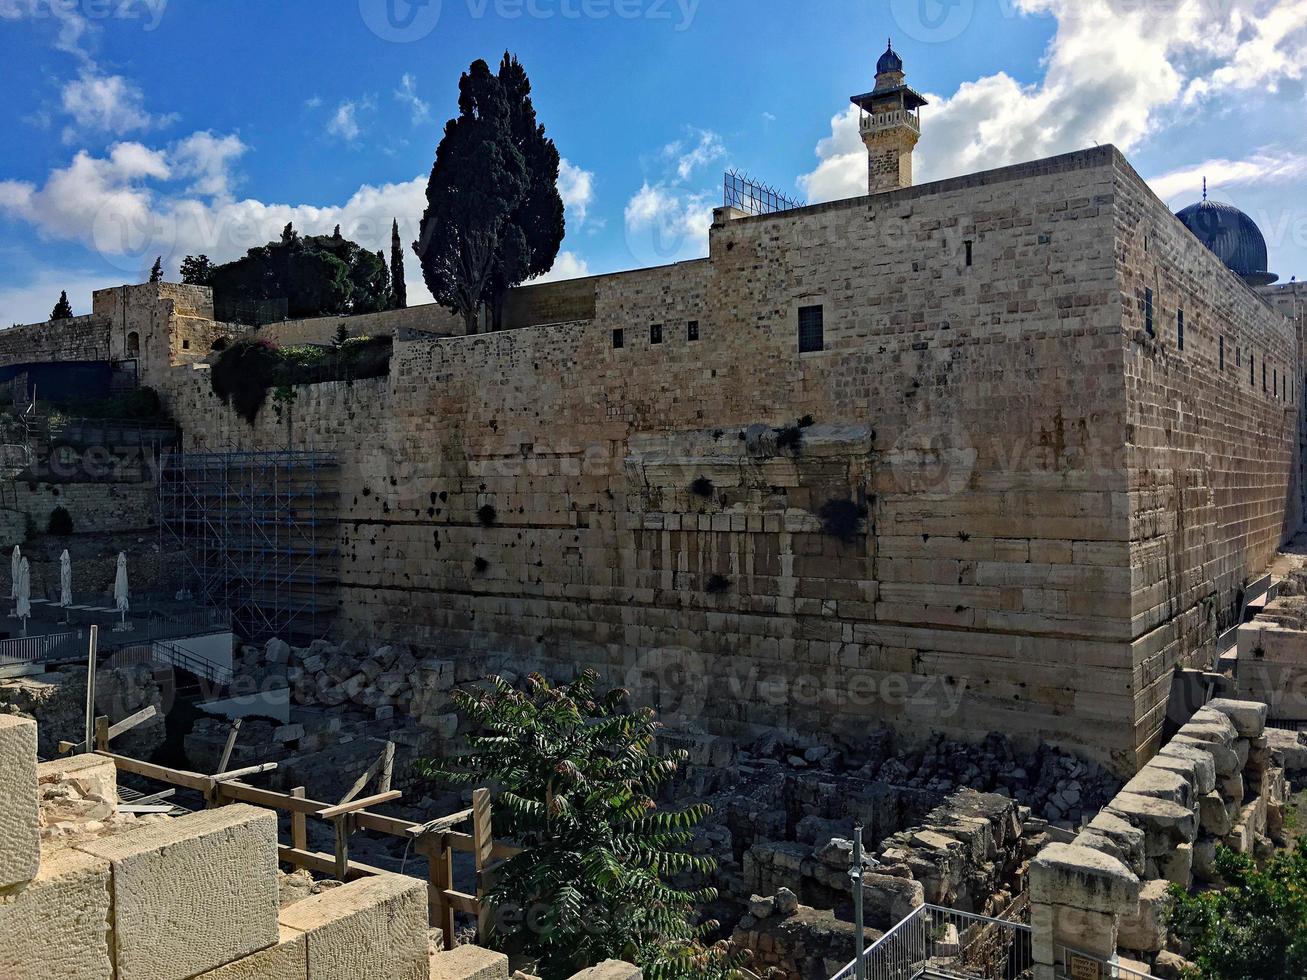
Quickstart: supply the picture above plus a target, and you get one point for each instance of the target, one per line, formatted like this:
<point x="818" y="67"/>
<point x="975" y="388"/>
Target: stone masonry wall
<point x="1211" y="452"/>
<point x="83" y="338"/>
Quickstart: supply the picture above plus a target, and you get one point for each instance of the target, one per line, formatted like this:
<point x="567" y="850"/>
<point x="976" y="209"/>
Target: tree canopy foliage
<point x="494" y="216"/>
<point x="398" y="284"/>
<point x="1255" y="927"/>
<point x="197" y="270"/>
<point x="577" y="776"/>
<point x="63" y="310"/>
<point x="318" y="275"/>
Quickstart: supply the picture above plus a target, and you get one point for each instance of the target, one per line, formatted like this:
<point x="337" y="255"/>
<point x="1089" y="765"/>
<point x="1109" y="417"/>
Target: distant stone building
<point x="994" y="453"/>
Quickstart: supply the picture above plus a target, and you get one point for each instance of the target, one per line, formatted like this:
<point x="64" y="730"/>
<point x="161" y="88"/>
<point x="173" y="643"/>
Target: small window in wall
<point x="1252" y="368"/>
<point x="656" y="334"/>
<point x="186" y="345"/>
<point x="1148" y="311"/>
<point x="133" y="344"/>
<point x="1275" y="382"/>
<point x="1222" y="353"/>
<point x="619" y="339"/>
<point x="1263" y="375"/>
<point x="812" y="329"/>
<point x="692" y="330"/>
<point x="1179" y="329"/>
<point x="969" y="246"/>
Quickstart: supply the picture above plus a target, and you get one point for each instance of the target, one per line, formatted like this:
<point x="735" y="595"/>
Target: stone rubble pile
<point x="1056" y="786"/>
<point x="80" y="803"/>
<point x="788" y="939"/>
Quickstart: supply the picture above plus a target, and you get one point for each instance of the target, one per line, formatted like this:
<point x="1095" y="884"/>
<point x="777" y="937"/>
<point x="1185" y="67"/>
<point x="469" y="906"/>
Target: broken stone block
<point x="93" y="775"/>
<point x="1288" y="749"/>
<point x="1161" y="784"/>
<point x="887" y="900"/>
<point x="1214" y="817"/>
<point x="467" y="963"/>
<point x="1204" y="768"/>
<point x="220" y="866"/>
<point x="1146" y="931"/>
<point x="20" y="821"/>
<point x="610" y="970"/>
<point x="1204" y="861"/>
<point x="1223" y="756"/>
<point x="1066" y="875"/>
<point x="787" y="903"/>
<point x="1165" y="823"/>
<point x="1248" y="717"/>
<point x="372" y="927"/>
<point x="761" y="907"/>
<point x="277" y="652"/>
<point x="1177" y="865"/>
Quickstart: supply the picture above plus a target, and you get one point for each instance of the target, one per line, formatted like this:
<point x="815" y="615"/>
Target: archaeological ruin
<point x="960" y="512"/>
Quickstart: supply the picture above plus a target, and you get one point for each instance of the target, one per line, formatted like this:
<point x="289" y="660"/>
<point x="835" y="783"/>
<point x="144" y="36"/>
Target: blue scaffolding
<point x="257" y="533"/>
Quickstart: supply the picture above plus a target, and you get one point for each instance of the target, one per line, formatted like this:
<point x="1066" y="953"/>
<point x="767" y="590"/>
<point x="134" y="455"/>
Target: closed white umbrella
<point x="65" y="580"/>
<point x="13" y="572"/>
<point x="23" y="606"/>
<point x="121" y="594"/>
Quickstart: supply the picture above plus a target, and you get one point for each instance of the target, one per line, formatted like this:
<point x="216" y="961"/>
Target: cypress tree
<point x="397" y="284"/>
<point x="63" y="310"/>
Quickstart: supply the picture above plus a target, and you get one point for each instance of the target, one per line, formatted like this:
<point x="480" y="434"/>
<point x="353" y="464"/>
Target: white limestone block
<point x="1146" y="931"/>
<point x="20" y="820"/>
<point x="373" y="927"/>
<point x="57" y="927"/>
<point x="610" y="970"/>
<point x="1248" y="717"/>
<point x="469" y="963"/>
<point x="288" y="960"/>
<point x="193" y="894"/>
<point x="1081" y="878"/>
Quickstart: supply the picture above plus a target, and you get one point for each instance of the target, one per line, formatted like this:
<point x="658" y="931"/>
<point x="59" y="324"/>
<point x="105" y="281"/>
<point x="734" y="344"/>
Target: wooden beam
<point x="223" y="777"/>
<point x="102" y="733"/>
<point x="342" y="847"/>
<point x="484" y="844"/>
<point x="162" y="774"/>
<point x="387" y="774"/>
<point x="299" y="829"/>
<point x="324" y="863"/>
<point x="230" y="747"/>
<point x="244" y="793"/>
<point x="440" y="878"/>
<point x="441" y="824"/>
<point x="372" y="772"/>
<point x="331" y="812"/>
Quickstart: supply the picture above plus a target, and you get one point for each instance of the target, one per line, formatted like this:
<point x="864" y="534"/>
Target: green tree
<point x="478" y="181"/>
<point x="577" y="776"/>
<point x="156" y="270"/>
<point x="537" y="225"/>
<point x="316" y="276"/>
<point x="1255" y="927"/>
<point x="398" y="286"/>
<point x="63" y="310"/>
<point x="197" y="270"/>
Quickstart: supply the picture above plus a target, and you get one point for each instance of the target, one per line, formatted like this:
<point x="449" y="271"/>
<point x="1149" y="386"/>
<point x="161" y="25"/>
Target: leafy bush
<point x="1255" y="928"/>
<point x="578" y="777"/>
<point x="61" y="523"/>
<point x="243" y="373"/>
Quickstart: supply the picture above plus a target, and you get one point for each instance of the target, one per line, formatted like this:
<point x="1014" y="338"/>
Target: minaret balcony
<point x="880" y="122"/>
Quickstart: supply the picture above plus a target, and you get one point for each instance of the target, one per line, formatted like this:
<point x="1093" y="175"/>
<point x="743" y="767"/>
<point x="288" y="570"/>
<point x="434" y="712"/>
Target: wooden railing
<point x="436" y="840"/>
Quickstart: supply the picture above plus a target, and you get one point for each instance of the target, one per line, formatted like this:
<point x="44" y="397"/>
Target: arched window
<point x="133" y="344"/>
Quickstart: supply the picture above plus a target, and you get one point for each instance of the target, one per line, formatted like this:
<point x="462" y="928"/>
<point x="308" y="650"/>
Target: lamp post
<point x="855" y="873"/>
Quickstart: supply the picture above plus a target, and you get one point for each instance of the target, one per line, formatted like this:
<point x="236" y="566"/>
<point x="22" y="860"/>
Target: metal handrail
<point x="946" y="942"/>
<point x="39" y="649"/>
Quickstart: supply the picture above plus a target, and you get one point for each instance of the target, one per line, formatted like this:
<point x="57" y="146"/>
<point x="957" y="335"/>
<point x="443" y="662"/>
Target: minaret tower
<point x="891" y="125"/>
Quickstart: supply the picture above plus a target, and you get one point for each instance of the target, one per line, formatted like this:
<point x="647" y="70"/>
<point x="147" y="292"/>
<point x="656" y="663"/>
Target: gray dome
<point x="1232" y="236"/>
<point x="889" y="61"/>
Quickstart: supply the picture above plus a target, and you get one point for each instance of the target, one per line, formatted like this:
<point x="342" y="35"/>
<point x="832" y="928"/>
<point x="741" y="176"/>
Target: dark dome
<point x="1232" y="236"/>
<point x="889" y="61"/>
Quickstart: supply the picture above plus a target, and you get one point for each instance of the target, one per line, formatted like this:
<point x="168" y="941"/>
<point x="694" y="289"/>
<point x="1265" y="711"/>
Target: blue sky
<point x="140" y="127"/>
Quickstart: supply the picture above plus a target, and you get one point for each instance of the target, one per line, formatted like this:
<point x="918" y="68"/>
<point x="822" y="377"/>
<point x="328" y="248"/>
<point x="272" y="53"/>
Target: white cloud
<point x="1268" y="166"/>
<point x="107" y="104"/>
<point x="407" y="94"/>
<point x="576" y="188"/>
<point x="73" y="27"/>
<point x="344" y="122"/>
<point x="1113" y="73"/>
<point x="568" y="265"/>
<point x="208" y="159"/>
<point x="32" y="301"/>
<point x="665" y="223"/>
<point x="708" y="148"/>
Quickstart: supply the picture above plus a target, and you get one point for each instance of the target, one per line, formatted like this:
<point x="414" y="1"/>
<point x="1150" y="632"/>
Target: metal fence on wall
<point x="752" y="197"/>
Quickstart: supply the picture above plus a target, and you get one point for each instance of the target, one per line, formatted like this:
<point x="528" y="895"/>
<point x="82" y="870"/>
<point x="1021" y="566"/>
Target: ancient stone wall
<point x="94" y="507"/>
<point x="83" y="338"/>
<point x="1211" y="439"/>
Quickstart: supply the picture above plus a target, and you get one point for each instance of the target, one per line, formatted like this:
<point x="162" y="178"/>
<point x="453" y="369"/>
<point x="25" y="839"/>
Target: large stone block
<point x="1248" y="717"/>
<point x="1161" y="784"/>
<point x="372" y="927"/>
<point x="58" y="926"/>
<point x="1081" y="878"/>
<point x="1146" y="931"/>
<point x="1181" y="757"/>
<point x="288" y="960"/>
<point x="610" y="970"/>
<point x="193" y="894"/>
<point x="888" y="899"/>
<point x="20" y="821"/>
<point x="469" y="963"/>
<point x="1164" y="823"/>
